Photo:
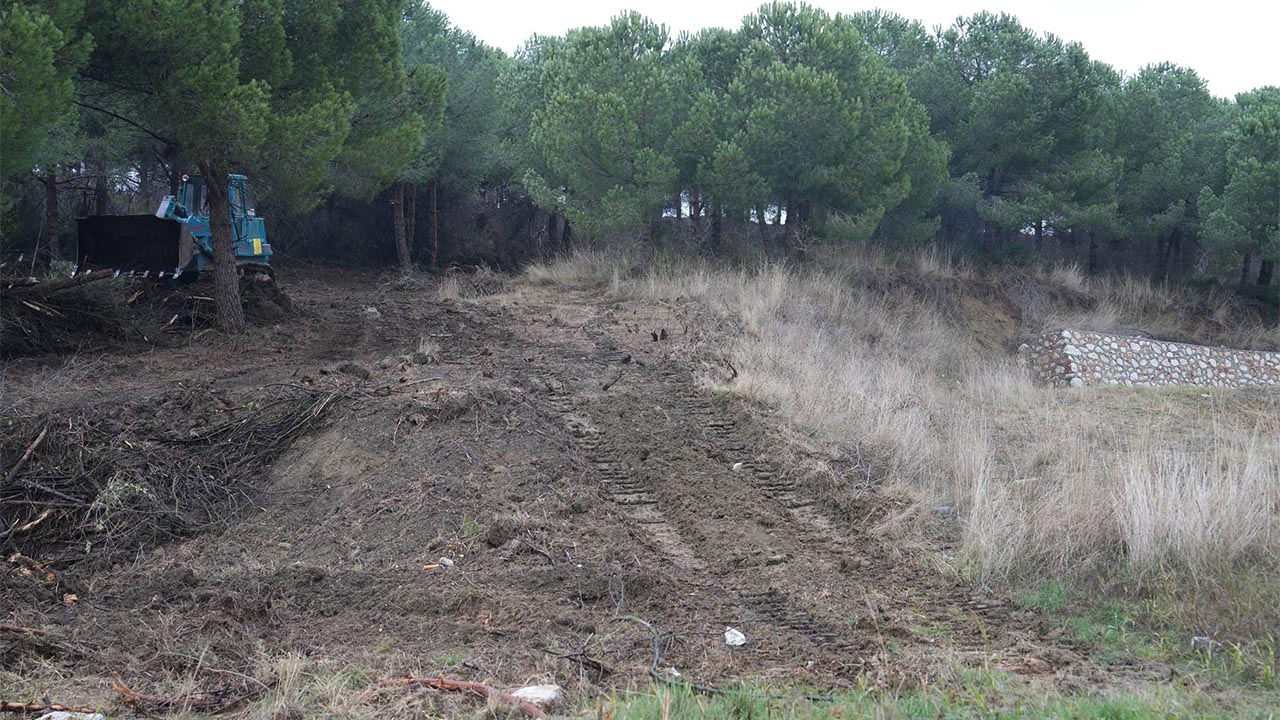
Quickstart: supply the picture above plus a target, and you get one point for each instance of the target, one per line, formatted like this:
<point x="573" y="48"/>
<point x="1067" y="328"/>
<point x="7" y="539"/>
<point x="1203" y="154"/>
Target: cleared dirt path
<point x="574" y="469"/>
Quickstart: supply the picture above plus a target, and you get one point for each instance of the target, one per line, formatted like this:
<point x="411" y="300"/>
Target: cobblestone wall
<point x="1073" y="358"/>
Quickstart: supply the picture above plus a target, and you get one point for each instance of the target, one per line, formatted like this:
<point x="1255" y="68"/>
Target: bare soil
<point x="572" y="468"/>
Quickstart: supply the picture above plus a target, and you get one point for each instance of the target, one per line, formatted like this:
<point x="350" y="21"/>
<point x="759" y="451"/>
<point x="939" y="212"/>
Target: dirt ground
<point x="573" y="460"/>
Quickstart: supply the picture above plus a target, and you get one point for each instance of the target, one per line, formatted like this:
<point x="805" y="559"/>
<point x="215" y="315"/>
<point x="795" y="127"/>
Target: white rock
<point x="545" y="696"/>
<point x="734" y="637"/>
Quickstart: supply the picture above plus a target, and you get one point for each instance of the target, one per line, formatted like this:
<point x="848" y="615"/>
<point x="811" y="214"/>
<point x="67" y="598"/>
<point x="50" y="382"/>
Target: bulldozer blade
<point x="129" y="243"/>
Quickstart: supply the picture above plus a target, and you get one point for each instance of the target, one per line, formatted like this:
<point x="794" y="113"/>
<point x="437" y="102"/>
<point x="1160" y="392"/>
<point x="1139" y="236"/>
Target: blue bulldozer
<point x="177" y="241"/>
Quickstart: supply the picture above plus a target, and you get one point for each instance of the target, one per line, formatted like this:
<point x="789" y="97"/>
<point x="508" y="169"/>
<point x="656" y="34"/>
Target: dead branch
<point x="214" y="701"/>
<point x="42" y="289"/>
<point x="21" y="630"/>
<point x="33" y="708"/>
<point x="583" y="659"/>
<point x="8" y="479"/>
<point x="476" y="688"/>
<point x="39" y="519"/>
<point x="612" y="382"/>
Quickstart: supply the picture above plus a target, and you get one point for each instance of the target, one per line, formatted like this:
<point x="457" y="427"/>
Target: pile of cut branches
<point x="57" y="316"/>
<point x="113" y="480"/>
<point x="70" y="314"/>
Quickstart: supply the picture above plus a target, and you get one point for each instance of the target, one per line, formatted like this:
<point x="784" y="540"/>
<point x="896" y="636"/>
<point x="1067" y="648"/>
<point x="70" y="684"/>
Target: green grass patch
<point x="1159" y="628"/>
<point x="987" y="696"/>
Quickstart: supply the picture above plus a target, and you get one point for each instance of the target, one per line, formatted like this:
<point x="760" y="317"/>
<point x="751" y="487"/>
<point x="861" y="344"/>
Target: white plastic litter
<point x="447" y="562"/>
<point x="737" y="466"/>
<point x="734" y="637"/>
<point x="545" y="696"/>
<point x="64" y="715"/>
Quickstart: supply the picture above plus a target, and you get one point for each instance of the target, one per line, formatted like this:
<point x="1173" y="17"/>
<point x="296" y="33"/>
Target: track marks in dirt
<point x="683" y="470"/>
<point x="621" y="486"/>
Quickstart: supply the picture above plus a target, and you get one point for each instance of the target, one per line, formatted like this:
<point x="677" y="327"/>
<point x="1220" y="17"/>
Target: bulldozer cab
<point x="240" y="196"/>
<point x="193" y="197"/>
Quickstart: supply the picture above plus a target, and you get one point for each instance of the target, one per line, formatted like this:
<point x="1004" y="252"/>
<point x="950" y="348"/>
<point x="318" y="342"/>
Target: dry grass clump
<point x="1087" y="483"/>
<point x="1127" y="304"/>
<point x="581" y="268"/>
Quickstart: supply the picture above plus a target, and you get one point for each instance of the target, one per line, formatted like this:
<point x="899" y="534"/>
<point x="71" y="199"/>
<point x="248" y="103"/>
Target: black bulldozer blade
<point x="128" y="243"/>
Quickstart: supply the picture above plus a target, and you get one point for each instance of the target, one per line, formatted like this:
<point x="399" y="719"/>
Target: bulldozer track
<point x="623" y="487"/>
<point x="690" y="441"/>
<point x="727" y="454"/>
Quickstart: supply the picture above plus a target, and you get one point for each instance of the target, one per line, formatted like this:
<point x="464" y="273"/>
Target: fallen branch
<point x="21" y="630"/>
<point x="484" y="691"/>
<point x="215" y="701"/>
<point x="583" y="659"/>
<point x="613" y="382"/>
<point x="8" y="479"/>
<point x="41" y="289"/>
<point x="32" y="708"/>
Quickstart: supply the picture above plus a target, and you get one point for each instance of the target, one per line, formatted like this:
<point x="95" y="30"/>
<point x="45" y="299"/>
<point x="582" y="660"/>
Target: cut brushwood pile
<point x="98" y="309"/>
<point x="112" y="479"/>
<point x="56" y="316"/>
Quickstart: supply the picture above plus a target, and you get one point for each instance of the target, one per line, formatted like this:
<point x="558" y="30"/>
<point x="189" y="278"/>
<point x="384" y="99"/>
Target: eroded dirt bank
<point x="574" y="469"/>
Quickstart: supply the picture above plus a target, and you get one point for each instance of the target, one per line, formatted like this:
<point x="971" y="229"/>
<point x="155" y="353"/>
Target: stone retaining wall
<point x="1073" y="358"/>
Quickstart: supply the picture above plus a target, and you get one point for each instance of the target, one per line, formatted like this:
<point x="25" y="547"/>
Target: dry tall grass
<point x="1082" y="483"/>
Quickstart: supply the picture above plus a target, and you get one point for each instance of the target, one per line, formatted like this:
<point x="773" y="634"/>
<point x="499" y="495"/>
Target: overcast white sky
<point x="1233" y="44"/>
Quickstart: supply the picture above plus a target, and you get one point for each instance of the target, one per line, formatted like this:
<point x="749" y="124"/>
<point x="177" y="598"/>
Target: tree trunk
<point x="52" y="218"/>
<point x="695" y="216"/>
<point x="764" y="232"/>
<point x="226" y="281"/>
<point x="434" y="191"/>
<point x="716" y="238"/>
<point x="1093" y="252"/>
<point x="789" y="230"/>
<point x="411" y="216"/>
<point x="397" y="216"/>
<point x="1244" y="269"/>
<point x="1166" y="253"/>
<point x="566" y="237"/>
<point x="653" y="232"/>
<point x="1265" y="272"/>
<point x="101" y="198"/>
<point x="175" y="170"/>
<point x="552" y="230"/>
<point x="1040" y="239"/>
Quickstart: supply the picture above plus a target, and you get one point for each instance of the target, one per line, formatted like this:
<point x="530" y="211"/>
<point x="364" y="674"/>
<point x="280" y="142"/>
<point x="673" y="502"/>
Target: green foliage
<point x="864" y="126"/>
<point x="976" y="694"/>
<point x="1170" y="134"/>
<point x="42" y="47"/>
<point x="820" y="115"/>
<point x="461" y="146"/>
<point x="1245" y="220"/>
<point x="603" y="127"/>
